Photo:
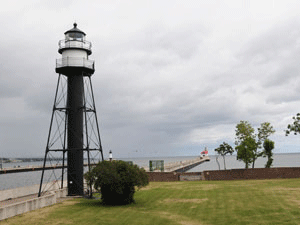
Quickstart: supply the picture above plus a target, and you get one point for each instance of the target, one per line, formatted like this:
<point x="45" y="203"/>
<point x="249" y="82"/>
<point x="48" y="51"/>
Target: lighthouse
<point x="77" y="130"/>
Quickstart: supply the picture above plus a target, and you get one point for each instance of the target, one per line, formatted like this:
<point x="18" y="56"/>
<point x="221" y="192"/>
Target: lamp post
<point x="110" y="155"/>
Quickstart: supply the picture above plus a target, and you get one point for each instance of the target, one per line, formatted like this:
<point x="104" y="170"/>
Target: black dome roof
<point x="75" y="29"/>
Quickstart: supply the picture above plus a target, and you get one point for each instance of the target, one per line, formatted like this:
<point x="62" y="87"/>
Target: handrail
<point x="75" y="44"/>
<point x="75" y="62"/>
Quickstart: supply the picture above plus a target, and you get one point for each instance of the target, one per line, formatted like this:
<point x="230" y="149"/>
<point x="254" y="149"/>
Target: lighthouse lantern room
<point x="75" y="51"/>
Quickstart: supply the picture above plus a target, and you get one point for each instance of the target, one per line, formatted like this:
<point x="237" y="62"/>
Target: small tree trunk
<point x="247" y="164"/>
<point x="224" y="162"/>
<point x="269" y="162"/>
<point x="218" y="162"/>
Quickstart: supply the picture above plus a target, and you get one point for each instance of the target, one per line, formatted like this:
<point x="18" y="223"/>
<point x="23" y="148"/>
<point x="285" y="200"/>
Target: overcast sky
<point x="171" y="76"/>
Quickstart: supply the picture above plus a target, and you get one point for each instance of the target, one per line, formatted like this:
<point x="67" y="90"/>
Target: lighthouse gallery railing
<point x="75" y="44"/>
<point x="74" y="61"/>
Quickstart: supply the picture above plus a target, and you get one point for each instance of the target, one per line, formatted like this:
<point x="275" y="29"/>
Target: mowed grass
<point x="185" y="203"/>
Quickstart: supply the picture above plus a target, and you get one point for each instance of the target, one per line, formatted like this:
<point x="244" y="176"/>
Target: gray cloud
<point x="276" y="43"/>
<point x="170" y="77"/>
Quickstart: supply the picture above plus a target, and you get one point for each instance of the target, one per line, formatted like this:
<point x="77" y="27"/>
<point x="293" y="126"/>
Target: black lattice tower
<point x="74" y="131"/>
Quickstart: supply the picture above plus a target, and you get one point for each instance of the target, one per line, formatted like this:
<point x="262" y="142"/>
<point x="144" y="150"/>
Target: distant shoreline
<point x="38" y="159"/>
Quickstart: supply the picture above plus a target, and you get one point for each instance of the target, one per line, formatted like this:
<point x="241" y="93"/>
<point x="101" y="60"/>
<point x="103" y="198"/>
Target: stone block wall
<point x="256" y="173"/>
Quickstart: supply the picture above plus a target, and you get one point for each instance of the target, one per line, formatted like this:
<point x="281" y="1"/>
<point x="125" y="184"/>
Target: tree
<point x="245" y="151"/>
<point x="264" y="132"/>
<point x="244" y="131"/>
<point x="268" y="147"/>
<point x="244" y="143"/>
<point x="223" y="150"/>
<point x="295" y="126"/>
<point x="116" y="181"/>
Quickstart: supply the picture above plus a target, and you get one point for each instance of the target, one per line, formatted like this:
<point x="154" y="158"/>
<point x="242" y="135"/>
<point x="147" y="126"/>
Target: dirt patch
<point x="64" y="202"/>
<point x="296" y="201"/>
<point x="154" y="185"/>
<point x="284" y="189"/>
<point x="291" y="195"/>
<point x="183" y="220"/>
<point x="176" y="200"/>
<point x="59" y="200"/>
<point x="145" y="188"/>
<point x="60" y="222"/>
<point x="179" y="186"/>
<point x="204" y="187"/>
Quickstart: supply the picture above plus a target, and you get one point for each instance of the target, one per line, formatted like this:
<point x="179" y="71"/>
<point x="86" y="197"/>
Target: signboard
<point x="156" y="165"/>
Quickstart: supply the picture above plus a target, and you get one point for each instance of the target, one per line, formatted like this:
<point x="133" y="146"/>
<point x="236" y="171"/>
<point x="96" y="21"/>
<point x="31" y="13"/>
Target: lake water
<point x="9" y="181"/>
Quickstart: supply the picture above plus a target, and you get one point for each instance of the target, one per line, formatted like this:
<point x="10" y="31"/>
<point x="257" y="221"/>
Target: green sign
<point x="156" y="165"/>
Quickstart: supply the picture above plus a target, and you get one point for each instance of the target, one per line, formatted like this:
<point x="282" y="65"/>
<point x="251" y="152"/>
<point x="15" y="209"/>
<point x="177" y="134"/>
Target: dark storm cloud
<point x="169" y="75"/>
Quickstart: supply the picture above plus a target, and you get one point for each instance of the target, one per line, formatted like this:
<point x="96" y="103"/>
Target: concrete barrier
<point x="13" y="209"/>
<point x="29" y="190"/>
<point x="174" y="176"/>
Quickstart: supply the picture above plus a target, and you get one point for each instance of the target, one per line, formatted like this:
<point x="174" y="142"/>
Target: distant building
<point x="204" y="153"/>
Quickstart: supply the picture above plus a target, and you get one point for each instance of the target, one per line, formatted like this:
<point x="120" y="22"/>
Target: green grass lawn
<point x="186" y="203"/>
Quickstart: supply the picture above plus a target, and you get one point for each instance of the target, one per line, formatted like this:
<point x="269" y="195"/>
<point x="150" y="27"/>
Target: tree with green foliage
<point x="244" y="131"/>
<point x="245" y="151"/>
<point x="244" y="143"/>
<point x="223" y="150"/>
<point x="116" y="181"/>
<point x="268" y="147"/>
<point x="295" y="126"/>
<point x="264" y="132"/>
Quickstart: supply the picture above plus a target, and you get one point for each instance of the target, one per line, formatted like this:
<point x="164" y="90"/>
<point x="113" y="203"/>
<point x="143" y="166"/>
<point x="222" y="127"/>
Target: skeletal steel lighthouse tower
<point x="74" y="130"/>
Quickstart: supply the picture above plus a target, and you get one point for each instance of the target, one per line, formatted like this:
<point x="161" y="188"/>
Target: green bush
<point x="116" y="181"/>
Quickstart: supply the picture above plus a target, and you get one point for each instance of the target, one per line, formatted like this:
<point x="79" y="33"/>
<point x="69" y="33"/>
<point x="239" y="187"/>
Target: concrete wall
<point x="193" y="176"/>
<point x="29" y="190"/>
<point x="11" y="210"/>
<point x="173" y="176"/>
<point x="258" y="173"/>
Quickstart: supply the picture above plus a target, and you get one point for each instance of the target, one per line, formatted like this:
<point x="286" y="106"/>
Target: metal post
<point x="87" y="140"/>
<point x="41" y="183"/>
<point x="94" y="106"/>
<point x="47" y="148"/>
<point x="62" y="171"/>
<point x="64" y="149"/>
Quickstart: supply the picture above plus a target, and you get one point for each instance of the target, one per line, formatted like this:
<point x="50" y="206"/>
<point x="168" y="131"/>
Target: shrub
<point x="116" y="181"/>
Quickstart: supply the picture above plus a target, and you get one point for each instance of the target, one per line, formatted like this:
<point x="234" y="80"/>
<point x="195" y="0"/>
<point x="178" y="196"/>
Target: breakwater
<point x="180" y="166"/>
<point x="14" y="180"/>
